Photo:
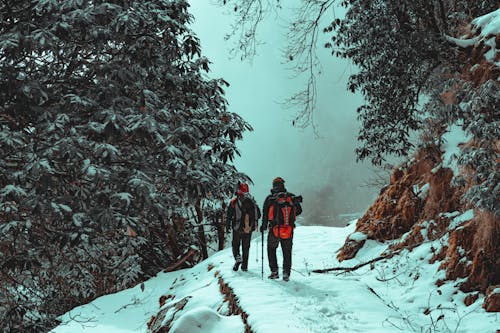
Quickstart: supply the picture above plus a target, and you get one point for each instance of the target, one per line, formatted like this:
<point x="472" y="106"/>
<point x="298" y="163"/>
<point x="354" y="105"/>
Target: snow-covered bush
<point x="110" y="134"/>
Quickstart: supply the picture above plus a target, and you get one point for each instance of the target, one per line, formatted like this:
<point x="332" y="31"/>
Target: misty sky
<point x="323" y="169"/>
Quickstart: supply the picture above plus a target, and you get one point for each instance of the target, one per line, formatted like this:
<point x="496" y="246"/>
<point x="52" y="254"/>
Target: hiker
<point x="242" y="216"/>
<point x="278" y="213"/>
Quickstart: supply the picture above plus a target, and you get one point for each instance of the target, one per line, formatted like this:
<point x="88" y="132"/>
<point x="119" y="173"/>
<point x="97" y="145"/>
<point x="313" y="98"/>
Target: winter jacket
<point x="234" y="212"/>
<point x="267" y="204"/>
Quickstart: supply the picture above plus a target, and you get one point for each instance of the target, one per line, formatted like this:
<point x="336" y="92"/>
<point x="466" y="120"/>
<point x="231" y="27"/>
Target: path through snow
<point x="395" y="295"/>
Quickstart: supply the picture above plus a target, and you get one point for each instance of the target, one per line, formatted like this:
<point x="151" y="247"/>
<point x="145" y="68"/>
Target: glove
<point x="263" y="228"/>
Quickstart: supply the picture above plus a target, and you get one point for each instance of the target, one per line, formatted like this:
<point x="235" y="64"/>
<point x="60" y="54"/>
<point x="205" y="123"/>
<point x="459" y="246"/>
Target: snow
<point x="464" y="43"/>
<point x="77" y="219"/>
<point x="452" y="140"/>
<point x="58" y="207"/>
<point x="450" y="214"/>
<point x="12" y="189"/>
<point x="460" y="219"/>
<point x="89" y="169"/>
<point x="44" y="163"/>
<point x="425" y="226"/>
<point x="124" y="196"/>
<point x="358" y="236"/>
<point x="436" y="168"/>
<point x="489" y="23"/>
<point x="394" y="295"/>
<point x="491" y="53"/>
<point x="490" y="26"/>
<point x="206" y="320"/>
<point x="421" y="190"/>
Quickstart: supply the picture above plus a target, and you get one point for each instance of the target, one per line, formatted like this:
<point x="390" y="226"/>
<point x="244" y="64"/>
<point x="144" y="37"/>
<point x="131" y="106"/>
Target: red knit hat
<point x="243" y="188"/>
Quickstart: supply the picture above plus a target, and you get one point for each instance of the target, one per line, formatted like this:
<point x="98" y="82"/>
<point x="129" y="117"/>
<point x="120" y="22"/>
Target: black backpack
<point x="249" y="213"/>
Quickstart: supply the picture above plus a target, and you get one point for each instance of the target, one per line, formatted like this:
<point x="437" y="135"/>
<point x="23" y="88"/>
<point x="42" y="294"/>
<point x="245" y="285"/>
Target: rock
<point x="470" y="299"/>
<point x="492" y="300"/>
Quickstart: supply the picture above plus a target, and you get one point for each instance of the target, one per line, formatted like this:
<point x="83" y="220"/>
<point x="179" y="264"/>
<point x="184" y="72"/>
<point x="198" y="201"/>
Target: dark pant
<point x="243" y="239"/>
<point x="286" y="247"/>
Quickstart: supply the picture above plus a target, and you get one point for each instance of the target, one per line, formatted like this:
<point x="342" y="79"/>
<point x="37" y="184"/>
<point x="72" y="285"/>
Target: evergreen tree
<point x="398" y="47"/>
<point x="406" y="65"/>
<point x="110" y="135"/>
<point x="406" y="62"/>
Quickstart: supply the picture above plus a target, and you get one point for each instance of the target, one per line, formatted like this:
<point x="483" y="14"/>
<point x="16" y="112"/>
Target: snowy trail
<point x="308" y="302"/>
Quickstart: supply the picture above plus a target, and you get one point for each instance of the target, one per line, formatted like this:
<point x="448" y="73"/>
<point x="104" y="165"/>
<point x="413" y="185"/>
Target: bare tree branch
<point x="350" y="269"/>
<point x="181" y="261"/>
<point x="300" y="51"/>
<point x="302" y="54"/>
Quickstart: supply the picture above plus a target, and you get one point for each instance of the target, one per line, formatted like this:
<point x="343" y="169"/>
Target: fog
<point x="322" y="168"/>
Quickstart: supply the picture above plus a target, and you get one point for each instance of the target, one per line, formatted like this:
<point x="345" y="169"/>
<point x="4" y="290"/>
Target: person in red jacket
<point x="278" y="213"/>
<point x="242" y="218"/>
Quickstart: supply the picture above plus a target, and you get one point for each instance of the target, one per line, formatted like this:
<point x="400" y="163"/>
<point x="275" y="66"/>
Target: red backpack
<point x="283" y="213"/>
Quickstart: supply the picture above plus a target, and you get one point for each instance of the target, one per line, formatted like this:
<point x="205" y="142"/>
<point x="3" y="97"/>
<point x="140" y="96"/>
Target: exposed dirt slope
<point x="421" y="201"/>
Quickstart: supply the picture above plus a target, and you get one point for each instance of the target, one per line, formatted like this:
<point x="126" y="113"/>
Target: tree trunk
<point x="221" y="226"/>
<point x="172" y="241"/>
<point x="201" y="231"/>
<point x="442" y="14"/>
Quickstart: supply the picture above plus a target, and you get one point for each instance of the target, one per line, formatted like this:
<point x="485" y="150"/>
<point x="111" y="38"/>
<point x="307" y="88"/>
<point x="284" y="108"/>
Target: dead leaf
<point x="130" y="232"/>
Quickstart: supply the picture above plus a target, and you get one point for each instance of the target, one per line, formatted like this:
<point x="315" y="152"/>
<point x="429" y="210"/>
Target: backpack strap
<point x="232" y="203"/>
<point x="275" y="205"/>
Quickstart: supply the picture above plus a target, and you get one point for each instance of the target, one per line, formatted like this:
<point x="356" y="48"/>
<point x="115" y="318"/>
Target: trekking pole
<point x="257" y="251"/>
<point x="262" y="254"/>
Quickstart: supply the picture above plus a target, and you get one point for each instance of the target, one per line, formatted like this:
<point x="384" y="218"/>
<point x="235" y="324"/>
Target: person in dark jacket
<point x="276" y="236"/>
<point x="242" y="218"/>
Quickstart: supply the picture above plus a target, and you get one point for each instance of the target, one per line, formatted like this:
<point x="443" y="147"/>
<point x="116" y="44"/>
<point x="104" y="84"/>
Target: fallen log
<point x="353" y="268"/>
<point x="181" y="261"/>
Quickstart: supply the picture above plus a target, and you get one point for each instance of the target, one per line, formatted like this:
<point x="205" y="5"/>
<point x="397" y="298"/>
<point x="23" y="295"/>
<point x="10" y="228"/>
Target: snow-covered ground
<point x="392" y="295"/>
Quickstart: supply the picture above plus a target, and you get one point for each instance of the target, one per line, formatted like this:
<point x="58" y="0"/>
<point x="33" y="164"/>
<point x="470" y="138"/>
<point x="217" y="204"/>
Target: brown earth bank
<point x="417" y="193"/>
<point x="416" y="202"/>
<point x="420" y="202"/>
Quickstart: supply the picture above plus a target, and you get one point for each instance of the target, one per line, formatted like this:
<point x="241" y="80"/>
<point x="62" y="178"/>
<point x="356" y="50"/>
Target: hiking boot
<point x="273" y="276"/>
<point x="286" y="276"/>
<point x="244" y="269"/>
<point x="237" y="264"/>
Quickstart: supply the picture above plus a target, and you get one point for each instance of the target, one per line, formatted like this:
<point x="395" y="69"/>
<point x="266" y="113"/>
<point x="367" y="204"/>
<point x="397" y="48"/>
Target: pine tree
<point x="405" y="63"/>
<point x="398" y="46"/>
<point x="110" y="134"/>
